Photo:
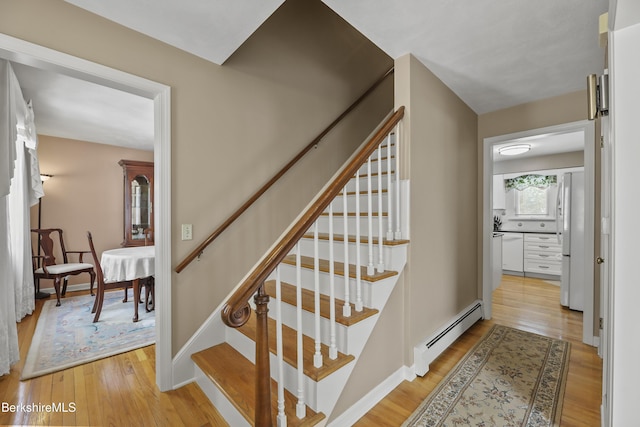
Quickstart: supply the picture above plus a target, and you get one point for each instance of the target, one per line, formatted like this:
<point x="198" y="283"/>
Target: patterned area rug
<point x="510" y="378"/>
<point x="66" y="336"/>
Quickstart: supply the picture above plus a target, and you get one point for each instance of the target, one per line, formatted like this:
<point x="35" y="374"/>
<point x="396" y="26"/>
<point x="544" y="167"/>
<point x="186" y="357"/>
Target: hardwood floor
<point x="116" y="391"/>
<point x="121" y="390"/>
<point x="524" y="303"/>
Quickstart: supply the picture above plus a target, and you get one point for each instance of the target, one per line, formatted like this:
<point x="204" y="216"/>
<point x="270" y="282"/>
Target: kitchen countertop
<point x="527" y="232"/>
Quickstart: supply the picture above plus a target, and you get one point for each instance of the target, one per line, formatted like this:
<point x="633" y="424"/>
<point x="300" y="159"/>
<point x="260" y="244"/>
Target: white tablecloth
<point x="128" y="263"/>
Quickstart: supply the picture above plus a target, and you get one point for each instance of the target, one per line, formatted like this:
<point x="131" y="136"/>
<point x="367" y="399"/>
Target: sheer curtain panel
<point x="20" y="187"/>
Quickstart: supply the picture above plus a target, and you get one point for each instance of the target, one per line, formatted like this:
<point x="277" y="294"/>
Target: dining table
<point x="129" y="264"/>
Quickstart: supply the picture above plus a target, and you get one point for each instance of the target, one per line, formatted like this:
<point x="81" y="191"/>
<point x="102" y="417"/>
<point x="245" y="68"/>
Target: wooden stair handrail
<point x="236" y="311"/>
<point x="198" y="251"/>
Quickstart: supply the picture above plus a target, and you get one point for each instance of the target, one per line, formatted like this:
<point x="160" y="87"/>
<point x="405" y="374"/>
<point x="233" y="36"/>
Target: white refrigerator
<point x="570" y="218"/>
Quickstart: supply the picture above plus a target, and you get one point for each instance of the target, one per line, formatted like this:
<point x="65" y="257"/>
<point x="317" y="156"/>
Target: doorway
<point x="20" y="51"/>
<point x="587" y="128"/>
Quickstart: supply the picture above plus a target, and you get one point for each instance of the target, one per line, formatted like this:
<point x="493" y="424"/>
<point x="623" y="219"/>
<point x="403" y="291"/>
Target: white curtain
<point x="21" y="197"/>
<point x="20" y="188"/>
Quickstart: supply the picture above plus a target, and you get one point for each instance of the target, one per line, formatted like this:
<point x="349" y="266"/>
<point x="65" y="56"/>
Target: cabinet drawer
<point x="544" y="256"/>
<point x="542" y="238"/>
<point x="544" y="267"/>
<point x="542" y="247"/>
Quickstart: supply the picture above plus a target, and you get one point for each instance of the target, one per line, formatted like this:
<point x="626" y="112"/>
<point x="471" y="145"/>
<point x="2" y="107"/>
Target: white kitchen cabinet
<point x="542" y="254"/>
<point x="498" y="192"/>
<point x="496" y="247"/>
<point x="512" y="252"/>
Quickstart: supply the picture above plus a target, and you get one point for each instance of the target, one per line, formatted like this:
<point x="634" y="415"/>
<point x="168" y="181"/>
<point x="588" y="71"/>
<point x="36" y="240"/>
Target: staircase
<point x="324" y="296"/>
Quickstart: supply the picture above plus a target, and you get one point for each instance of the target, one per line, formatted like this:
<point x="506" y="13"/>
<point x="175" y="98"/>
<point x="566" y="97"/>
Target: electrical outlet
<point x="187" y="231"/>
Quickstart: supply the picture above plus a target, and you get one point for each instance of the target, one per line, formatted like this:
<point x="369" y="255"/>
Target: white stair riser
<point x="384" y="151"/>
<point x="338" y="225"/>
<point x="348" y="338"/>
<point x="219" y="400"/>
<point x="393" y="256"/>
<point x="319" y="396"/>
<point x="384" y="165"/>
<point x="351" y="185"/>
<point x="338" y="205"/>
<point x="371" y="296"/>
<point x="247" y="347"/>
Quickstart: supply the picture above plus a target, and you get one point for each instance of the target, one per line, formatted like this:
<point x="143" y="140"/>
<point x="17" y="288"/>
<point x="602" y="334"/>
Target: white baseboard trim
<point x="428" y="350"/>
<point x="364" y="405"/>
<point x="210" y="333"/>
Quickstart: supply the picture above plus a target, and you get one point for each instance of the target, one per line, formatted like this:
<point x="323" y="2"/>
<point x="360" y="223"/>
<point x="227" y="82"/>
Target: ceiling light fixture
<point x="514" y="150"/>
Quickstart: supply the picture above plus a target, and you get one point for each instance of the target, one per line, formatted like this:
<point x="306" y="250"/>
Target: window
<point x="532" y="201"/>
<point x="533" y="195"/>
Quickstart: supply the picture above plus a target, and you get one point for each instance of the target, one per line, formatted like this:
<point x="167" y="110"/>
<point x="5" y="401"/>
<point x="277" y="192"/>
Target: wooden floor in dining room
<point x="121" y="390"/>
<point x="116" y="391"/>
<point x="524" y="303"/>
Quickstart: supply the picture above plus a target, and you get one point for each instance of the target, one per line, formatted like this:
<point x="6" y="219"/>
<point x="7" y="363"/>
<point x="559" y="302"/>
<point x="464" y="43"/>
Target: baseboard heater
<point x="428" y="350"/>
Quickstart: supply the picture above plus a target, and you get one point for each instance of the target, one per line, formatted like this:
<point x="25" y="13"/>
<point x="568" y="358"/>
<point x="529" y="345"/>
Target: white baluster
<point x="282" y="418"/>
<point x="301" y="408"/>
<point x="358" y="303"/>
<point x="380" y="234"/>
<point x="317" y="356"/>
<point x="398" y="235"/>
<point x="389" y="191"/>
<point x="333" y="349"/>
<point x="370" y="267"/>
<point x="346" y="309"/>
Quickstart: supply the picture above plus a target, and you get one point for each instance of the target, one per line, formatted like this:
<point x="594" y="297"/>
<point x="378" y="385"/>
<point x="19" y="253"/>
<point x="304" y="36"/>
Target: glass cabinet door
<point x="138" y="203"/>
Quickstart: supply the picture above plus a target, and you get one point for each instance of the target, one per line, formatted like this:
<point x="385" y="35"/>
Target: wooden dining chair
<point x="46" y="266"/>
<point x="102" y="286"/>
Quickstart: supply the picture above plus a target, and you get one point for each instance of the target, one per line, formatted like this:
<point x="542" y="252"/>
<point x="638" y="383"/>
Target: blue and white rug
<point x="66" y="336"/>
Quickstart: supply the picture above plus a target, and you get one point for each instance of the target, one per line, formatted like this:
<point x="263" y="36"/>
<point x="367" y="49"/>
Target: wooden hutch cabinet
<point x="138" y="202"/>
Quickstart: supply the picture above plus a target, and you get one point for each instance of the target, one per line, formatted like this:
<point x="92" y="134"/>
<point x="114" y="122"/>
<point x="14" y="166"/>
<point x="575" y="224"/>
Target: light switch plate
<point x="187" y="231"/>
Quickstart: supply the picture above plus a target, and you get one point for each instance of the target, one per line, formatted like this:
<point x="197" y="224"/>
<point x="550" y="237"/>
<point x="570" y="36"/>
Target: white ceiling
<point x="543" y="145"/>
<point x="493" y="54"/>
<point x="67" y="107"/>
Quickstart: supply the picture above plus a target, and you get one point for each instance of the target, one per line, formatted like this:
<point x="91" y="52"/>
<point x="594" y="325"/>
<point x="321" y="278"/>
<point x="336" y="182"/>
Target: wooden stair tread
<point x="290" y="350"/>
<point x="352" y="239"/>
<point x="235" y="377"/>
<point x="308" y="303"/>
<point x="307" y="262"/>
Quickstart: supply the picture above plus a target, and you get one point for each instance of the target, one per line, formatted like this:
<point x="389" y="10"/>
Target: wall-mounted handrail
<point x="198" y="251"/>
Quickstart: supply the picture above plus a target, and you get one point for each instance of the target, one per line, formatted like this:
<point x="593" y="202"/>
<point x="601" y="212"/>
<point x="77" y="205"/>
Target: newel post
<point x="263" y="374"/>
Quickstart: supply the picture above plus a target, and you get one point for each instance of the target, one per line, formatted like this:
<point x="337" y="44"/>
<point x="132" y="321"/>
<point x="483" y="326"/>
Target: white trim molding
<point x="27" y="53"/>
<point x="588" y="128"/>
